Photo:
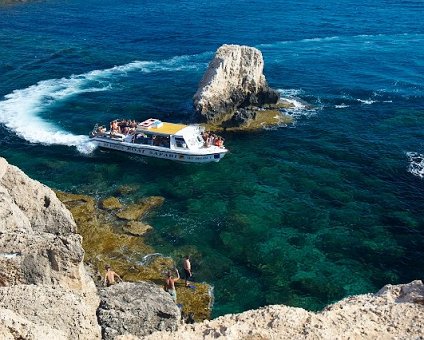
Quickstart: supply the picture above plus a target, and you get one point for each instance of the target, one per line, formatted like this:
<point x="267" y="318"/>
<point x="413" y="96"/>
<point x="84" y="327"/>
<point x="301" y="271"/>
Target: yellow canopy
<point x="164" y="128"/>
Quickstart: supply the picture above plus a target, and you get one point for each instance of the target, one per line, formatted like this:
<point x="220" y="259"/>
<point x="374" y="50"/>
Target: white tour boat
<point x="154" y="138"/>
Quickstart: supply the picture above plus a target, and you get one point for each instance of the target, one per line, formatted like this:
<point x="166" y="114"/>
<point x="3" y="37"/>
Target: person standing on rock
<point x="170" y="284"/>
<point x="187" y="270"/>
<point x="110" y="276"/>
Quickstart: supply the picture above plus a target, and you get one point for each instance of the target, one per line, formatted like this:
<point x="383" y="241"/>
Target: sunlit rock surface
<point x="234" y="79"/>
<point x="395" y="312"/>
<point x="45" y="287"/>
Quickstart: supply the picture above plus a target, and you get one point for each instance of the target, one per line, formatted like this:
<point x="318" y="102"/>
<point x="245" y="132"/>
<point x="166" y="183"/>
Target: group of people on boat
<point x="212" y="139"/>
<point x="123" y="126"/>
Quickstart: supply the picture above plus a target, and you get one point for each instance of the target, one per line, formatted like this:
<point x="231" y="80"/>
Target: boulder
<point x="136" y="308"/>
<point x="234" y="79"/>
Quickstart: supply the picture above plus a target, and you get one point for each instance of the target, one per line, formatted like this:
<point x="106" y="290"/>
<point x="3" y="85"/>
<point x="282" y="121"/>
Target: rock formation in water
<point x="234" y="80"/>
<point x="395" y="312"/>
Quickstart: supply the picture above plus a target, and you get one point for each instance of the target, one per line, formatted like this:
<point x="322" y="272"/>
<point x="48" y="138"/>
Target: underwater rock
<point x="234" y="79"/>
<point x="136" y="308"/>
<point x="126" y="189"/>
<point x="110" y="203"/>
<point x="135" y="211"/>
<point x="137" y="228"/>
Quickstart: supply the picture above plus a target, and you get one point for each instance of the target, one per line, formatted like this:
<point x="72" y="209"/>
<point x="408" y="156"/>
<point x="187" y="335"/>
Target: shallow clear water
<point x="302" y="215"/>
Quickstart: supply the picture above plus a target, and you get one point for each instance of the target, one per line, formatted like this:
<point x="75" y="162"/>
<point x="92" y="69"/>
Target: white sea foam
<point x="308" y="40"/>
<point x="341" y="106"/>
<point x="298" y="106"/>
<point x="358" y="38"/>
<point x="20" y="110"/>
<point x="290" y="92"/>
<point x="321" y="39"/>
<point x="416" y="163"/>
<point x="366" y="101"/>
<point x="147" y="259"/>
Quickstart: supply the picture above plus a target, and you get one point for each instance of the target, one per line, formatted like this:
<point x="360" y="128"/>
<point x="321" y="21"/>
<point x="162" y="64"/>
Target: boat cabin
<point x="168" y="135"/>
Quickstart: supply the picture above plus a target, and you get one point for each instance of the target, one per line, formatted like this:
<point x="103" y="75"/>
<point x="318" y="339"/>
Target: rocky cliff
<point x="395" y="312"/>
<point x="45" y="290"/>
<point x="234" y="79"/>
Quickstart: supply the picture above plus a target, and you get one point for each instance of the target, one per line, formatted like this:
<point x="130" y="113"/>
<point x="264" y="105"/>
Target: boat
<point x="155" y="138"/>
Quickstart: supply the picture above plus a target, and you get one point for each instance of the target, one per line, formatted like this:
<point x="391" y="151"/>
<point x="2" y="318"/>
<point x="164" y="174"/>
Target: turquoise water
<point x="303" y="215"/>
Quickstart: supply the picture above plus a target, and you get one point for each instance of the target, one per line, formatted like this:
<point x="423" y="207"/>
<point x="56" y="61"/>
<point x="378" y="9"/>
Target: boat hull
<point x="157" y="152"/>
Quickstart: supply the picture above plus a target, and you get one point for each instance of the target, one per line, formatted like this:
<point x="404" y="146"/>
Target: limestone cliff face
<point x="44" y="287"/>
<point x="234" y="79"/>
<point x="395" y="312"/>
<point x="45" y="290"/>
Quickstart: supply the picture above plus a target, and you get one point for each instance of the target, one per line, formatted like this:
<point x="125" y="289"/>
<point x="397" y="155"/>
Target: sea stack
<point x="234" y="80"/>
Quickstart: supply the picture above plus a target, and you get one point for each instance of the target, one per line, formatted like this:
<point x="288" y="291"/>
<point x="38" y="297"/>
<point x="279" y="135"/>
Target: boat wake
<point x="416" y="164"/>
<point x="20" y="110"/>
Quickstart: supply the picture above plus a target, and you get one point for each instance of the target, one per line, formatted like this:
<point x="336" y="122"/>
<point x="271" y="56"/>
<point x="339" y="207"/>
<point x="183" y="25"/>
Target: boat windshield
<point x="194" y="142"/>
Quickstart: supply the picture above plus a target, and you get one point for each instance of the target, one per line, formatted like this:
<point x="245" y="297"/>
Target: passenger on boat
<point x="101" y="130"/>
<point x="122" y="123"/>
<point x="205" y="136"/>
<point x="219" y="142"/>
<point x="114" y="127"/>
<point x="208" y="140"/>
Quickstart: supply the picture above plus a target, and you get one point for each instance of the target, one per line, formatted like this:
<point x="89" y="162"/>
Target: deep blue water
<point x="303" y="215"/>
